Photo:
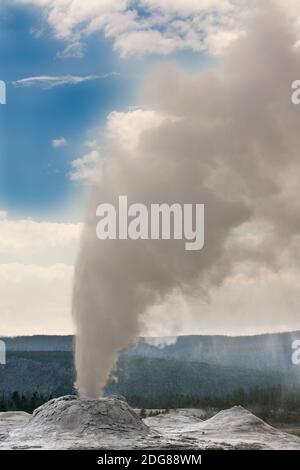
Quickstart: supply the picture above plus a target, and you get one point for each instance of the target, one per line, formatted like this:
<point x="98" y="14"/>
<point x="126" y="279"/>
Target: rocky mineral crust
<point x="70" y="413"/>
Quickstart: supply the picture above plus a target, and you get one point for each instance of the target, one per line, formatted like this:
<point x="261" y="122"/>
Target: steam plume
<point x="231" y="142"/>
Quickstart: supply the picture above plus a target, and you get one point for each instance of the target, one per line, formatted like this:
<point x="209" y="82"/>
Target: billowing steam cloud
<point x="229" y="139"/>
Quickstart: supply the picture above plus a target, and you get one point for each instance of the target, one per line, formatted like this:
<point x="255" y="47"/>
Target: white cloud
<point x="219" y="41"/>
<point x="124" y="129"/>
<point x="165" y="27"/>
<point x="273" y="296"/>
<point x="187" y="7"/>
<point x="36" y="271"/>
<point x="74" y="50"/>
<point x="59" y="142"/>
<point x="45" y="242"/>
<point x="48" y="82"/>
<point x="150" y="42"/>
<point x="35" y="299"/>
<point x="84" y="168"/>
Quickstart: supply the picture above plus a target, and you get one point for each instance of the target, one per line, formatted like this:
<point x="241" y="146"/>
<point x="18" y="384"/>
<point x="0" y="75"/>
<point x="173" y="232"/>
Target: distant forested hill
<point x="190" y="365"/>
<point x="262" y="352"/>
<point x="149" y="377"/>
<point x="52" y="373"/>
<point x="39" y="343"/>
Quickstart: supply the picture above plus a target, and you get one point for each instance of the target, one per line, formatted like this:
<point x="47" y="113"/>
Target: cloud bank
<point x="139" y="27"/>
<point x="144" y="26"/>
<point x="36" y="274"/>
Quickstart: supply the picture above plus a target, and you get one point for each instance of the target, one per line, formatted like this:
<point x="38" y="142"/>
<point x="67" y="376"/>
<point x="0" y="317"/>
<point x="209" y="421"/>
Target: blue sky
<point x="35" y="176"/>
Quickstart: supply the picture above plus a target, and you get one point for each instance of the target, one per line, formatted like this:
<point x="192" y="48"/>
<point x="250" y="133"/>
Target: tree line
<point x="265" y="399"/>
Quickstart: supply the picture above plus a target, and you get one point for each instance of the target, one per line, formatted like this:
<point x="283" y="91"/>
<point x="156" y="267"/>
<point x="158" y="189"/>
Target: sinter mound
<point x="236" y="419"/>
<point x="70" y="413"/>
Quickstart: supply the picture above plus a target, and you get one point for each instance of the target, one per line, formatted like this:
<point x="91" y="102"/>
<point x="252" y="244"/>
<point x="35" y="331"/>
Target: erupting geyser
<point x="227" y="138"/>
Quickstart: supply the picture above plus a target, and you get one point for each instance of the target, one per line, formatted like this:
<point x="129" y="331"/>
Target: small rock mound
<point x="236" y="419"/>
<point x="78" y="415"/>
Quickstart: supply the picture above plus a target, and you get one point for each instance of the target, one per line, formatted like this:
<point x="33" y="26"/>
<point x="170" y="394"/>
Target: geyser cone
<point x="70" y="413"/>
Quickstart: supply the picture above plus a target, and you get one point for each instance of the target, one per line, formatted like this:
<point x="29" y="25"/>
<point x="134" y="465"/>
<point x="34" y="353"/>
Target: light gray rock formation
<point x="109" y="423"/>
<point x="70" y="413"/>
